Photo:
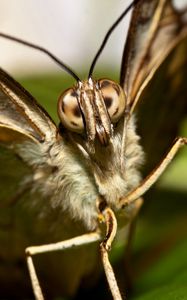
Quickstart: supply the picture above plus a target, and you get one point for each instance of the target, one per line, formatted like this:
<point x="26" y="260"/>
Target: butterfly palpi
<point x="72" y="186"/>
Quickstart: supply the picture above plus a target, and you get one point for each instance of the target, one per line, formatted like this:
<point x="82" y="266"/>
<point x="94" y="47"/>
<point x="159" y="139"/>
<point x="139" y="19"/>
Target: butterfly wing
<point x="163" y="106"/>
<point x="155" y="49"/>
<point x="156" y="28"/>
<point x="21" y="117"/>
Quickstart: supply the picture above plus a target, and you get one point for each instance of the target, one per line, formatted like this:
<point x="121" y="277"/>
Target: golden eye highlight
<point x="114" y="98"/>
<point x="69" y="111"/>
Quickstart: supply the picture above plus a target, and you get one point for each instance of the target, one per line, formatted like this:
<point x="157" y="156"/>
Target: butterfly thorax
<point x="76" y="176"/>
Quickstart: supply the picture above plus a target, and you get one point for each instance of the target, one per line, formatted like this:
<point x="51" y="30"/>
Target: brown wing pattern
<point x="21" y="117"/>
<point x="163" y="106"/>
<point x="156" y="28"/>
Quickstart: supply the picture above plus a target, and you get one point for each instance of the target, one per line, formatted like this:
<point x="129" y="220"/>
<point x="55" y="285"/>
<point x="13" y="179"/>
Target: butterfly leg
<point x="74" y="242"/>
<point x="154" y="175"/>
<point x="105" y="246"/>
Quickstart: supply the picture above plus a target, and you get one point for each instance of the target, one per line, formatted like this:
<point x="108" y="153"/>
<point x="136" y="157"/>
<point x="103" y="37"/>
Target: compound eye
<point x="114" y="98"/>
<point x="69" y="111"/>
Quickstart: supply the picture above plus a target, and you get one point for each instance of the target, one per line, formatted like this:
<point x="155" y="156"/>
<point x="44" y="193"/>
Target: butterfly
<point x="71" y="185"/>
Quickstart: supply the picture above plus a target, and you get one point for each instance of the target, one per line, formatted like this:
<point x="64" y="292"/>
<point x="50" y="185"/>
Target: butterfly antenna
<point x="109" y="32"/>
<point x="59" y="62"/>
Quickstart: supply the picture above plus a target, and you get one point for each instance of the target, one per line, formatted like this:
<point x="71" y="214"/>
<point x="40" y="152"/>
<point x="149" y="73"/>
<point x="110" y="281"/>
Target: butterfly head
<point x="91" y="108"/>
